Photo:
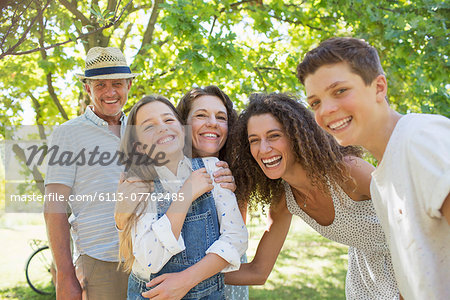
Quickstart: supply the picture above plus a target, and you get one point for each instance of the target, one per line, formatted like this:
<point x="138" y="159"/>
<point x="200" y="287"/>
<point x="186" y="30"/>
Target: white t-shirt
<point x="408" y="189"/>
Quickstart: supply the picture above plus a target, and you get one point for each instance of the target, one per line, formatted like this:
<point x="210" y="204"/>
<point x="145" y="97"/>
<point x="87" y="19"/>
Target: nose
<point x="212" y="121"/>
<point x="110" y="90"/>
<point x="328" y="107"/>
<point x="162" y="127"/>
<point x="265" y="146"/>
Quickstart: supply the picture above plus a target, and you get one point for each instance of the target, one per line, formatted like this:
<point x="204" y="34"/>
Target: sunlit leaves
<point x="242" y="46"/>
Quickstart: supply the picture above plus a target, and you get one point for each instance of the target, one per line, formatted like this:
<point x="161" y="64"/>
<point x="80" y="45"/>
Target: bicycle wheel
<point x="38" y="271"/>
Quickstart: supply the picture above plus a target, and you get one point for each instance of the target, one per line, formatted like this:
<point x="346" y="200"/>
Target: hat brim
<point x="83" y="78"/>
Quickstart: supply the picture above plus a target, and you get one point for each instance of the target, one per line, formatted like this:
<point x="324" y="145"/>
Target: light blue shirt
<point x="93" y="182"/>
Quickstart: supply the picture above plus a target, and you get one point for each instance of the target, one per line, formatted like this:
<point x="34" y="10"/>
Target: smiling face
<point x="270" y="146"/>
<point x="156" y="124"/>
<point x="343" y="104"/>
<point x="209" y="121"/>
<point x="108" y="96"/>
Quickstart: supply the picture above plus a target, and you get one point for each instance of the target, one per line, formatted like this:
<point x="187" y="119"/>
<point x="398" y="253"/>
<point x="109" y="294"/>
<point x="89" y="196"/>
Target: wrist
<point x="186" y="191"/>
<point x="66" y="272"/>
<point x="190" y="278"/>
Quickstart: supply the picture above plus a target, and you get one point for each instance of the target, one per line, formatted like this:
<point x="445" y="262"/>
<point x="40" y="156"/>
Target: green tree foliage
<point x="242" y="46"/>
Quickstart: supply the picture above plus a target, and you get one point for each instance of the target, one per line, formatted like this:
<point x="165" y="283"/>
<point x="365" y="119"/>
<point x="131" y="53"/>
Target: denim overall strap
<point x="200" y="230"/>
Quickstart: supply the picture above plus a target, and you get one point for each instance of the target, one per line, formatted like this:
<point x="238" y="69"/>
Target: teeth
<point x="270" y="160"/>
<point x="340" y="124"/>
<point x="110" y="102"/>
<point x="210" y="135"/>
<point x="167" y="139"/>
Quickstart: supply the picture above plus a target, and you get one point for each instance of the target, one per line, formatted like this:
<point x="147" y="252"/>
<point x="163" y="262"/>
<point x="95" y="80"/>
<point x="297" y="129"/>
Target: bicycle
<point x="39" y="269"/>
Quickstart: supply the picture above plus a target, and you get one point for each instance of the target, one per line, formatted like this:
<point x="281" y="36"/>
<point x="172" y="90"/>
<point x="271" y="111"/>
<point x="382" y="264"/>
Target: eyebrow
<point x="334" y="84"/>
<point x="165" y="114"/>
<point x="204" y="110"/>
<point x="268" y="132"/>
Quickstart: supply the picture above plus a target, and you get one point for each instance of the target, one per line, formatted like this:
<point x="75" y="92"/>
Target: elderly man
<point x="88" y="185"/>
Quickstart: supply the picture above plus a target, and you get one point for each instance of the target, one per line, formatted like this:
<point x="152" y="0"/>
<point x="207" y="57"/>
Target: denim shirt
<point x="200" y="230"/>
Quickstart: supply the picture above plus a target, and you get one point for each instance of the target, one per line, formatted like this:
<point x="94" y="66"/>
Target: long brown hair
<point x="316" y="151"/>
<point x="145" y="172"/>
<point x="185" y="105"/>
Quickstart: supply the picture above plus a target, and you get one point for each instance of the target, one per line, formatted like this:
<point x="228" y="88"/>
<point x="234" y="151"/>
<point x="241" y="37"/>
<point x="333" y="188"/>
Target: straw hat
<point x="106" y="63"/>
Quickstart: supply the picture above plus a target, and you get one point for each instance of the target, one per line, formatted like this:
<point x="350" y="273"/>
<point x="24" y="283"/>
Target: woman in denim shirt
<point x="185" y="232"/>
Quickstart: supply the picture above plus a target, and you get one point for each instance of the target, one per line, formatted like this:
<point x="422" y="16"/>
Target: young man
<point x="89" y="184"/>
<point x="346" y="88"/>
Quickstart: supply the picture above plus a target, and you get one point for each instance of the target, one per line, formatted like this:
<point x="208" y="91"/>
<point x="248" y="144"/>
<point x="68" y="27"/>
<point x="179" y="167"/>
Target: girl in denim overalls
<point x="189" y="229"/>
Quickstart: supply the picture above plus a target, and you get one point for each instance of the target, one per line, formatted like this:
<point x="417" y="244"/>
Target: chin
<point x="271" y="175"/>
<point x="210" y="152"/>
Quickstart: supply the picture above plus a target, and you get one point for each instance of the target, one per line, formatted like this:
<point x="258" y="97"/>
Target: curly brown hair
<point x="316" y="151"/>
<point x="185" y="105"/>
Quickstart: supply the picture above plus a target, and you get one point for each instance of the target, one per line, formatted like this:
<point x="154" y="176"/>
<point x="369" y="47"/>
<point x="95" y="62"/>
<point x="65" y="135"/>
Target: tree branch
<point x="14" y="19"/>
<point x="236" y="4"/>
<point x="37" y="109"/>
<point x="72" y="7"/>
<point x="51" y="90"/>
<point x="212" y="26"/>
<point x="125" y="36"/>
<point x="295" y="22"/>
<point x="24" y="35"/>
<point x="37" y="176"/>
<point x="68" y="41"/>
<point x="148" y="35"/>
<point x="261" y="78"/>
<point x="268" y="68"/>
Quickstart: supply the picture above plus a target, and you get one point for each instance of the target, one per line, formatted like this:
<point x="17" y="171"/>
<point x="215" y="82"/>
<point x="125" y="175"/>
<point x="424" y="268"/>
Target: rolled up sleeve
<point x="233" y="240"/>
<point x="154" y="243"/>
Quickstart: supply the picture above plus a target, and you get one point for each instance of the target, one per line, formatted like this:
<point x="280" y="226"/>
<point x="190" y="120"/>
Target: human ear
<point x="381" y="87"/>
<point x="87" y="87"/>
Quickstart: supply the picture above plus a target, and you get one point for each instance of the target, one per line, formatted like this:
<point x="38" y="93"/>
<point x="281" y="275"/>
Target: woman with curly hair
<point x="283" y="159"/>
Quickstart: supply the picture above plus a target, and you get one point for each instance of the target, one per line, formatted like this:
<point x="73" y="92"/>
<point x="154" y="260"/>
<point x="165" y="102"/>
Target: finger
<point x="130" y="180"/>
<point x="229" y="186"/>
<point x="152" y="186"/>
<point x="122" y="177"/>
<point x="226" y="179"/>
<point x="150" y="294"/>
<point x="222" y="172"/>
<point x="155" y="281"/>
<point x="202" y="170"/>
<point x="222" y="164"/>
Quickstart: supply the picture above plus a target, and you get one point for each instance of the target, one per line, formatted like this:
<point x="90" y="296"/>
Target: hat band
<point x="105" y="71"/>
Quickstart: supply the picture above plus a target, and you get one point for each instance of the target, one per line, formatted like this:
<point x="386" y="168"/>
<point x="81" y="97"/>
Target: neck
<point x="197" y="153"/>
<point x="111" y="120"/>
<point x="381" y="136"/>
<point x="297" y="178"/>
<point x="173" y="162"/>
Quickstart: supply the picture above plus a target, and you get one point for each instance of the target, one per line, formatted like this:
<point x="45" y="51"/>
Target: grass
<point x="16" y="233"/>
<point x="309" y="266"/>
